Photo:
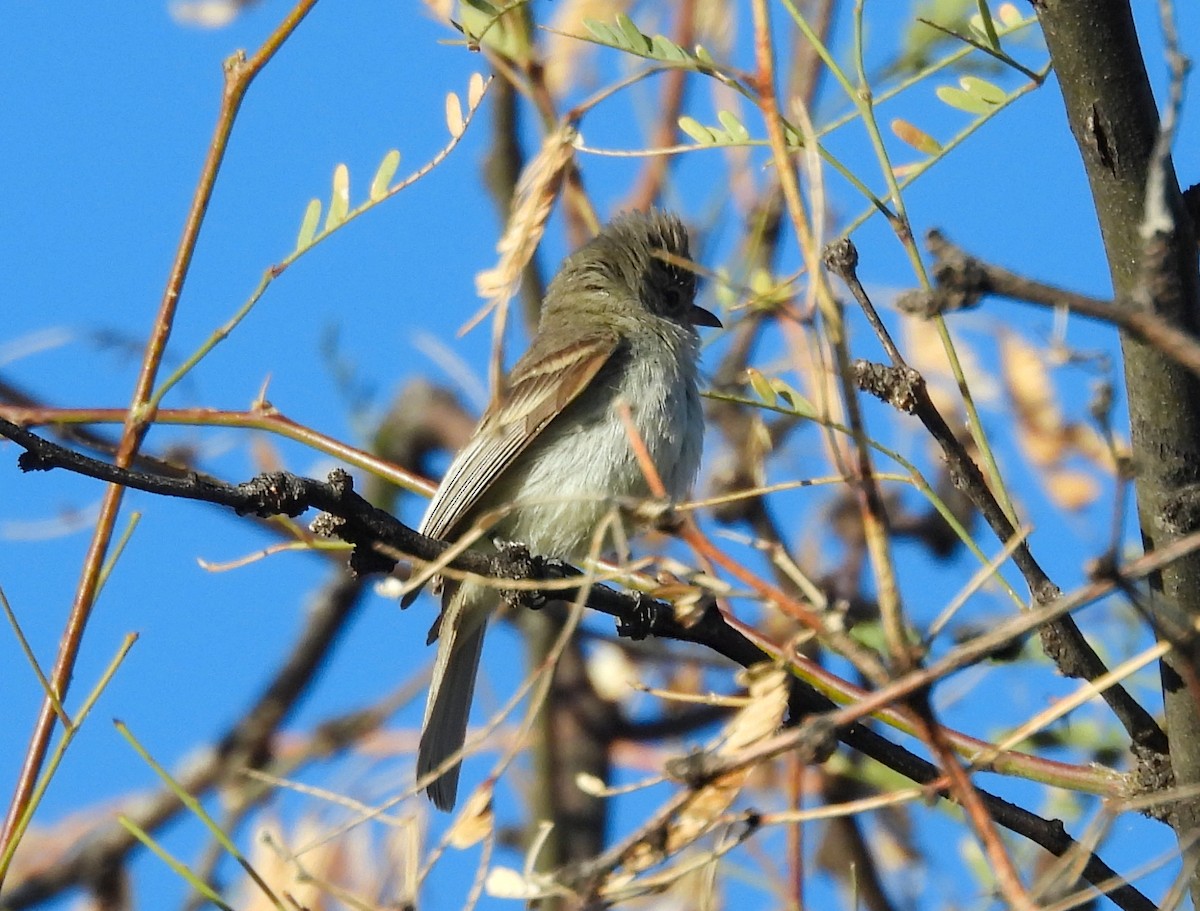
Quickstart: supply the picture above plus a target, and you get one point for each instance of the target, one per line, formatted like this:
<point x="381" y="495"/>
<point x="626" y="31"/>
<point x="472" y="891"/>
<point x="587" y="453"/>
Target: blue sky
<point x="107" y="113"/>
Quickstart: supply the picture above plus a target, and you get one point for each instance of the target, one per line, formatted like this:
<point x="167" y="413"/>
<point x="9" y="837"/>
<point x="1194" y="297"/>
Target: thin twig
<point x="650" y="183"/>
<point x="963" y="280"/>
<point x="239" y="73"/>
<point x="246" y="745"/>
<point x="904" y="388"/>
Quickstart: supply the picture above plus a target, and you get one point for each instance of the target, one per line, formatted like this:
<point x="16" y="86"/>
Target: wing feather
<point x="539" y="389"/>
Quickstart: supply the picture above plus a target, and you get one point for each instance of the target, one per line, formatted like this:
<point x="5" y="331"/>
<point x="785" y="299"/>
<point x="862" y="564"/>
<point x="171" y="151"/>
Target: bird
<point x="551" y="454"/>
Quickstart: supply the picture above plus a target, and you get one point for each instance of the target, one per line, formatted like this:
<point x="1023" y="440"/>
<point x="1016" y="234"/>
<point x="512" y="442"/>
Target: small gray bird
<point x="618" y="324"/>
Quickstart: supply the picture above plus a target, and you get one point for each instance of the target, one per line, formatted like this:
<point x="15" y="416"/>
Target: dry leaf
<point x="925" y="352"/>
<point x="207" y="13"/>
<point x="475" y="86"/>
<point x="441" y="9"/>
<point x="759" y="718"/>
<point x="1039" y="418"/>
<point x="505" y="882"/>
<point x="1043" y="433"/>
<point x="591" y="785"/>
<point x="716" y="24"/>
<point x="475" y="820"/>
<point x="454" y="115"/>
<point x="533" y="199"/>
<point x="1009" y="14"/>
<point x="915" y="137"/>
<point x="344" y="861"/>
<point x="887" y="830"/>
<point x="1072" y="490"/>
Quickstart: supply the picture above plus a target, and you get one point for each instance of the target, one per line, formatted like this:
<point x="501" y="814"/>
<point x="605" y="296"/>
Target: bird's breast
<point x="585" y="462"/>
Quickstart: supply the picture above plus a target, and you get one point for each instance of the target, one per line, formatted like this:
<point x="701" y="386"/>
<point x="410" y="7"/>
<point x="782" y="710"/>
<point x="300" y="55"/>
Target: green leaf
<point x="704" y="56"/>
<point x="383" y="176"/>
<point x="733" y="126"/>
<point x="984" y="16"/>
<point x="762" y="282"/>
<point x="771" y="389"/>
<point x="975" y="27"/>
<point x="601" y="31"/>
<point x="339" y="200"/>
<point x="664" y="48"/>
<point x="498" y="28"/>
<point x="983" y="90"/>
<point x="308" y="227"/>
<point x="870" y="634"/>
<point x="761" y="386"/>
<point x="634" y="38"/>
<point x="957" y="98"/>
<point x="795" y="400"/>
<point x="697" y="130"/>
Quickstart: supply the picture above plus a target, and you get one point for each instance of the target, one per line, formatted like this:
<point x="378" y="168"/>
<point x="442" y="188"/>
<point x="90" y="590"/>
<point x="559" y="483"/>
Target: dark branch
<point x="376" y="536"/>
<point x="963" y="280"/>
<point x="904" y="388"/>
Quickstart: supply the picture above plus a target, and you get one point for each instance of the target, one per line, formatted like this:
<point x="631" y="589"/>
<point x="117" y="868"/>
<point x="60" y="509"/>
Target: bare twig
<point x="904" y="388"/>
<point x="239" y="73"/>
<point x="963" y="280"/>
<point x="248" y="744"/>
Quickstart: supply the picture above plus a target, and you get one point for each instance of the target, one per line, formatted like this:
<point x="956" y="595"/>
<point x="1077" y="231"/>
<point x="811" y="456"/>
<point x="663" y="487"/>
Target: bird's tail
<point x="460" y="642"/>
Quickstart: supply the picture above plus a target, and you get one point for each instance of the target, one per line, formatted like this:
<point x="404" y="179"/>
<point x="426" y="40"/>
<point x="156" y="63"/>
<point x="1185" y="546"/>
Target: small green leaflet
<point x="384" y="174"/>
<point x="665" y="49"/>
<point x="636" y="41"/>
<point x="977" y="96"/>
<point x="339" y="200"/>
<point x="488" y="25"/>
<point x="981" y="88"/>
<point x="771" y="389"/>
<point x="697" y="130"/>
<point x="308" y="227"/>
<point x="731" y="131"/>
<point x="626" y="36"/>
<point x="733" y="126"/>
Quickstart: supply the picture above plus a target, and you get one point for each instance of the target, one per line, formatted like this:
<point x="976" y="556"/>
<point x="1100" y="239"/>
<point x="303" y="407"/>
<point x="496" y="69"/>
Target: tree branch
<point x="904" y="388"/>
<point x="379" y="539"/>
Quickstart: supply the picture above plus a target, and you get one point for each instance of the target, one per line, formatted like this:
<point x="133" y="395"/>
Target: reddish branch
<point x="239" y="73"/>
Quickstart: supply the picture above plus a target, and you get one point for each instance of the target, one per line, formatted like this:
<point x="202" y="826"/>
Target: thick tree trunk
<point x="1113" y="116"/>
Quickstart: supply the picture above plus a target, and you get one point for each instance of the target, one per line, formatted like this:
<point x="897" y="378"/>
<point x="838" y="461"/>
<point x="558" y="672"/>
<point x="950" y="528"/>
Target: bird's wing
<point x="540" y="387"/>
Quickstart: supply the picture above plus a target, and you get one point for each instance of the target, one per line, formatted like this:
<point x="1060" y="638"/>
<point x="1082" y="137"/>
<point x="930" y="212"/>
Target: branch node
<point x="35" y="461"/>
<point x="641" y="620"/>
<point x="961" y="279"/>
<point x="899" y="387"/>
<point x="272" y="494"/>
<point x="514" y="561"/>
<point x="841" y="258"/>
<point x="1180" y="513"/>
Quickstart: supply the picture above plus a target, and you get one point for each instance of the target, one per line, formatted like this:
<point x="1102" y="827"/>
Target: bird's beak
<point x="701" y="317"/>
